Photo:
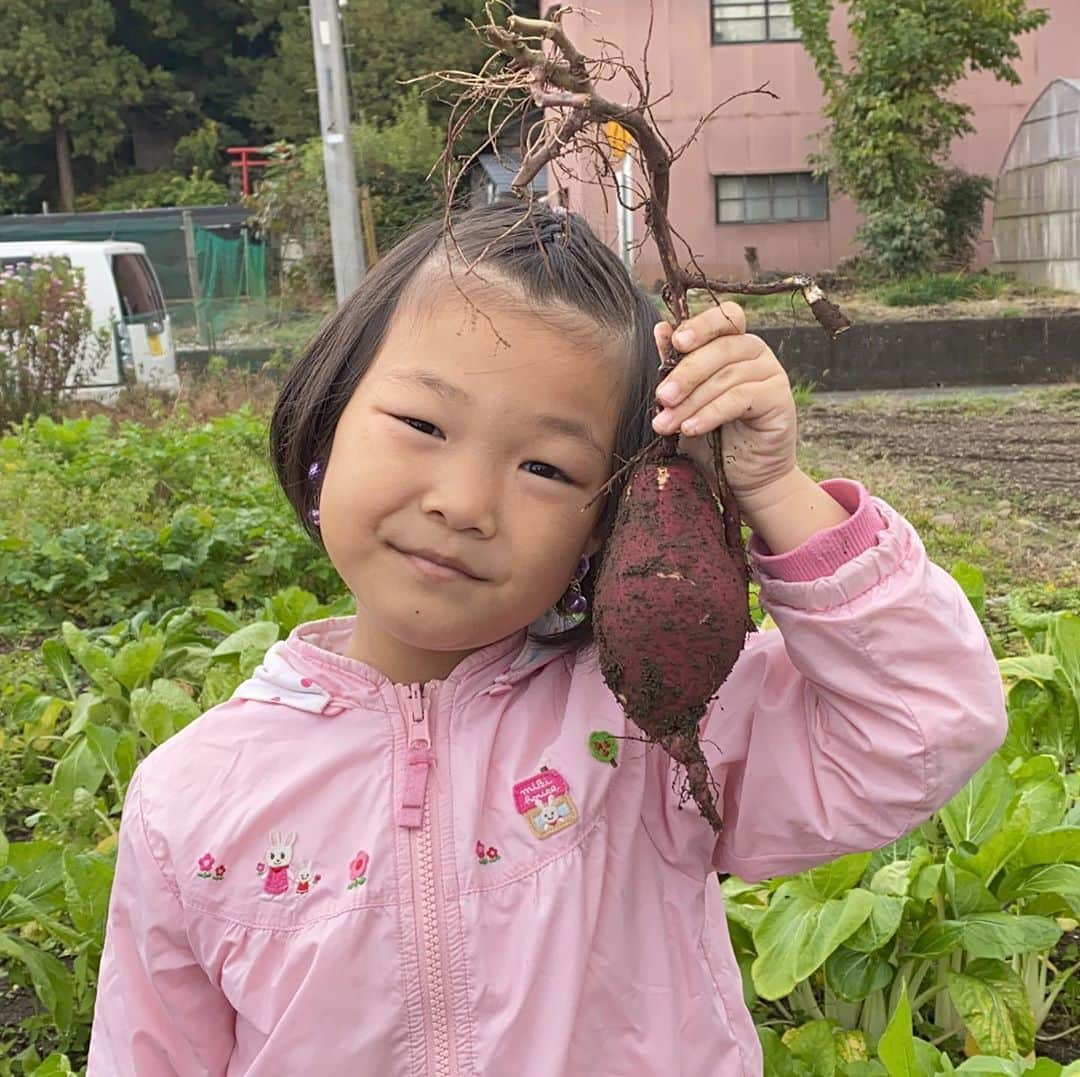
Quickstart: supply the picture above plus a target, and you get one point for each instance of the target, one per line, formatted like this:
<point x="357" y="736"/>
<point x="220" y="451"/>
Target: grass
<point x="982" y="294"/>
<point x="940" y="288"/>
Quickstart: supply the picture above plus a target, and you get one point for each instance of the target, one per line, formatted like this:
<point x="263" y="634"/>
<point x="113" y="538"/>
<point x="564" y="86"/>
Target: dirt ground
<point x="991" y="480"/>
<point x="1025" y="454"/>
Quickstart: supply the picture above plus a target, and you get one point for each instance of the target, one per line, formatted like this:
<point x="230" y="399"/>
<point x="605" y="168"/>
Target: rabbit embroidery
<point x="278" y="858"/>
<point x="305" y="879"/>
<point x="550" y="814"/>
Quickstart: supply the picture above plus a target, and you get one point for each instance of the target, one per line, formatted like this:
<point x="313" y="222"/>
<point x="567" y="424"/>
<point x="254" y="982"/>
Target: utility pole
<point x="346" y="238"/>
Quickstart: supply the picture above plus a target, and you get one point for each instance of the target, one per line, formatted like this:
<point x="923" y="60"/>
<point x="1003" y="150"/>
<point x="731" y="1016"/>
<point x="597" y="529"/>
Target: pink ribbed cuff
<point x="822" y="554"/>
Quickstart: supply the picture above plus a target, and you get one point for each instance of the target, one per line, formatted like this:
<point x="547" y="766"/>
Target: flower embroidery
<point x="604" y="747"/>
<point x="358" y="870"/>
<point x="486" y="854"/>
<point x="207" y="869"/>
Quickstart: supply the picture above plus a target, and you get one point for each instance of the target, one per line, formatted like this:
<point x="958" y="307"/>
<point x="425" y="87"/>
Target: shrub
<point x="148" y="190"/>
<point x="904" y="239"/>
<point x="960" y="196"/>
<point x="47" y="341"/>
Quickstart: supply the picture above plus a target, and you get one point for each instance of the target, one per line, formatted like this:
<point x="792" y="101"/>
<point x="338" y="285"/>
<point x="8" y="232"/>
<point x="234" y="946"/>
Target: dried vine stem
<point x="542" y="66"/>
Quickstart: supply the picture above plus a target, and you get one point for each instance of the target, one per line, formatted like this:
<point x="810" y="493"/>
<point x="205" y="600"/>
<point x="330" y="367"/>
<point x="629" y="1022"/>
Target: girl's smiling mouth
<point x="434" y="566"/>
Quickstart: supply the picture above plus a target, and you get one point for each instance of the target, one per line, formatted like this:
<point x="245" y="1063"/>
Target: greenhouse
<point x="1037" y="197"/>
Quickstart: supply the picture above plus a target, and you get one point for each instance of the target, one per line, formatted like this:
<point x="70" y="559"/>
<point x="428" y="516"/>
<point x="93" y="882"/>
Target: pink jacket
<point x="334" y="874"/>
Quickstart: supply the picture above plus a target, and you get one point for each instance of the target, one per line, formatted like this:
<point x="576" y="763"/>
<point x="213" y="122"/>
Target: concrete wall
<point x="878" y="355"/>
<point x="761" y="134"/>
<point x="916" y="355"/>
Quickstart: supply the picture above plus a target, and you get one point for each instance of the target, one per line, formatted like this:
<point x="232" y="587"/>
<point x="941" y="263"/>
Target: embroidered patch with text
<point x="545" y="801"/>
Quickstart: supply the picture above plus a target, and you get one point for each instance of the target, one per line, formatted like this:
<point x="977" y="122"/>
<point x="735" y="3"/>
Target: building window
<point x="778" y="196"/>
<point x="759" y="20"/>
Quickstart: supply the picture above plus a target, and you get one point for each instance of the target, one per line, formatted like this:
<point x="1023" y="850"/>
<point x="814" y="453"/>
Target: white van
<point x="124" y="297"/>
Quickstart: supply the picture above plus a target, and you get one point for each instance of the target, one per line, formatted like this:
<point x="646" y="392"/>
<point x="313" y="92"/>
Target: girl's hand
<point x="729" y="379"/>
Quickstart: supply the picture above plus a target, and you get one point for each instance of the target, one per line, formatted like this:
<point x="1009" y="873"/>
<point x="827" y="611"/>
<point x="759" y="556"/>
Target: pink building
<point x="745" y="181"/>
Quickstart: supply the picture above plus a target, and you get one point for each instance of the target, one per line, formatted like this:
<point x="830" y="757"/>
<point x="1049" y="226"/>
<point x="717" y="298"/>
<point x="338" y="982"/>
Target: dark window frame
<point x="801" y="195"/>
<point x="716" y="8"/>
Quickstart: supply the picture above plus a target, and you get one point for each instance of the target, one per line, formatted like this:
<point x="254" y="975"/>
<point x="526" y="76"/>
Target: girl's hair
<point x="554" y="260"/>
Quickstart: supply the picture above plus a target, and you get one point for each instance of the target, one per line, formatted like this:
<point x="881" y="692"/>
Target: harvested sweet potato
<point x="670" y="610"/>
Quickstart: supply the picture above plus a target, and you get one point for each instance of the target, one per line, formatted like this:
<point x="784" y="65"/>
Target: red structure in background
<point x="245" y="158"/>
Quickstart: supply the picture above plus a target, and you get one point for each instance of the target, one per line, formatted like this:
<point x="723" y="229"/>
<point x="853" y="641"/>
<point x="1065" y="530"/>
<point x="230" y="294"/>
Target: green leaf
<point x="978" y="809"/>
<point x="94" y="660"/>
<point x="993" y="1004"/>
<point x="57" y="659"/>
<point x="972" y="583"/>
<point x="1063" y="879"/>
<point x="881" y="925"/>
<point x="256" y="636"/>
<point x="1001" y="845"/>
<point x="52" y="982"/>
<point x="832" y="879"/>
<point x="779" y="1061"/>
<point x="814" y="1046"/>
<point x="56" y="1065"/>
<point x="896" y="1048"/>
<point x="33" y="871"/>
<point x="1063" y="638"/>
<point x="1050" y="847"/>
<point x="1035" y="667"/>
<point x="965" y="891"/>
<point x="1042" y="791"/>
<point x="1001" y="934"/>
<point x="87" y="883"/>
<point x="854" y="975"/>
<point x="135" y="661"/>
<point x="937" y="939"/>
<point x="162" y="710"/>
<point x="799" y="931"/>
<point x="79" y="768"/>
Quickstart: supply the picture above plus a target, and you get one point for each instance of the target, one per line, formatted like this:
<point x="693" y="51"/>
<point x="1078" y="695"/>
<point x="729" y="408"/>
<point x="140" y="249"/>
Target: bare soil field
<point x="990" y="480"/>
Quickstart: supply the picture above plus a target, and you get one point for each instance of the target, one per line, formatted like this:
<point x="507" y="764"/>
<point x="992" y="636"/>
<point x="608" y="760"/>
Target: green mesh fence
<point x="232" y="275"/>
<point x="232" y="267"/>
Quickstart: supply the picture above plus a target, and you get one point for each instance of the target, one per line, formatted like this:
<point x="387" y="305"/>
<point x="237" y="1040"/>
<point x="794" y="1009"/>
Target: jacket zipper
<point x="419" y="812"/>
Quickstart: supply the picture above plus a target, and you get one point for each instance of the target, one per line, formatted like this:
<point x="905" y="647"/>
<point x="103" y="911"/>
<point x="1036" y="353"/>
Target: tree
<point x="388" y="41"/>
<point x="63" y="78"/>
<point x="891" y="120"/>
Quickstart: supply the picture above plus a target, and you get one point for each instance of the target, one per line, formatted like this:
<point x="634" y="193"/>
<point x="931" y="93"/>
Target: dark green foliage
<point x="892" y="118"/>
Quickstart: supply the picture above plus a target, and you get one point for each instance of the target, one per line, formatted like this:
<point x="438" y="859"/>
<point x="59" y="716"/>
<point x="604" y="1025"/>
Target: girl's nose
<point x="464" y="496"/>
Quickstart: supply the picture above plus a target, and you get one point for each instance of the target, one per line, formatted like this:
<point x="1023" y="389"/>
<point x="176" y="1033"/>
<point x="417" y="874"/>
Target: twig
<point x="563" y="82"/>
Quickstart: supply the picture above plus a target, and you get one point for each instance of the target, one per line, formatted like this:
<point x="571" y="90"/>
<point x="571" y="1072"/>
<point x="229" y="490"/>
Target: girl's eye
<point x="555" y="473"/>
<point x="418" y="424"/>
<point x="545" y="471"/>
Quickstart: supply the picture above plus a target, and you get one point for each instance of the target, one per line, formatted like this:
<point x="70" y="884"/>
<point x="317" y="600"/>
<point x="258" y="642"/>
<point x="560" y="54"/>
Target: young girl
<point x="424" y="840"/>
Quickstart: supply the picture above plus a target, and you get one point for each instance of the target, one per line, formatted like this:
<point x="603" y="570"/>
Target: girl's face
<point x="478" y="438"/>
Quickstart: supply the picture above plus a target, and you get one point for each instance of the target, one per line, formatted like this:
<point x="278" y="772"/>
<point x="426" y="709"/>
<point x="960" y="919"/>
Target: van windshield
<point x="140" y="296"/>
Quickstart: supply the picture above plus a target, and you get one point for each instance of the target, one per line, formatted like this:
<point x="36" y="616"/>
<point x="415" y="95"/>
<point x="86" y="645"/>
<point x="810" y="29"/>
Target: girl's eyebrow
<point x="557" y="424"/>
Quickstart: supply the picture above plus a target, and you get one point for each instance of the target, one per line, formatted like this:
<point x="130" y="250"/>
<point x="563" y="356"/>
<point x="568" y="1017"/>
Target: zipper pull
<point x="419" y="758"/>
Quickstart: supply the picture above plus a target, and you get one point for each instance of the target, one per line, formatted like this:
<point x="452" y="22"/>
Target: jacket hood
<point x="308" y="672"/>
